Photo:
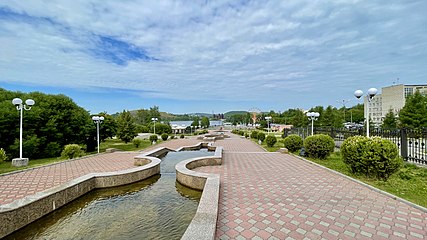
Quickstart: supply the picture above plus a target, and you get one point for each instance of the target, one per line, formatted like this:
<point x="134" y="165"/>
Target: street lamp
<point x="97" y="120"/>
<point x="154" y="120"/>
<point x="268" y="124"/>
<point x="312" y="116"/>
<point x="371" y="94"/>
<point x="20" y="107"/>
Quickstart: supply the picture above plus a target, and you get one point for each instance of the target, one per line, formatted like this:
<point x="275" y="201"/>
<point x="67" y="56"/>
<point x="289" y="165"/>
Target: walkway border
<point x="20" y="213"/>
<point x="421" y="208"/>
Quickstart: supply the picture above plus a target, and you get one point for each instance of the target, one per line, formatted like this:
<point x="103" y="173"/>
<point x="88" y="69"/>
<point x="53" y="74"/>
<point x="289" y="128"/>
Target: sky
<point x="211" y="56"/>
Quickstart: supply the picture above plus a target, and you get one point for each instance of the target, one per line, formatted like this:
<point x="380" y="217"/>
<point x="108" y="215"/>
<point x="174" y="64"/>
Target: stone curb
<point x="366" y="185"/>
<point x="28" y="209"/>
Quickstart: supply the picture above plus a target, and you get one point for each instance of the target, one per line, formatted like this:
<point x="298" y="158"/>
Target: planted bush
<point x="270" y="140"/>
<point x="246" y="135"/>
<point x="375" y="157"/>
<point x="72" y="151"/>
<point x="153" y="138"/>
<point x="261" y="136"/>
<point x="293" y="143"/>
<point x="254" y="134"/>
<point x="3" y="156"/>
<point x="182" y="136"/>
<point x="319" y="146"/>
<point x="137" y="142"/>
<point x="164" y="136"/>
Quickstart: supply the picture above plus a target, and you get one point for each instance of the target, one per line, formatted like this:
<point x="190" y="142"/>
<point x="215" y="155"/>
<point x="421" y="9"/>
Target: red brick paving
<point x="277" y="196"/>
<point x="262" y="196"/>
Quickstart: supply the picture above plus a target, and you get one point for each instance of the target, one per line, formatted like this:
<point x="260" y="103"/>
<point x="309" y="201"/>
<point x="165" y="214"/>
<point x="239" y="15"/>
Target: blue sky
<point x="204" y="56"/>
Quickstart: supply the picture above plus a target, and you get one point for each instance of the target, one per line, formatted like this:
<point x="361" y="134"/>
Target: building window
<point x="408" y="91"/>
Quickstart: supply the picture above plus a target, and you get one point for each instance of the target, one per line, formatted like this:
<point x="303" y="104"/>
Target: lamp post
<point x="154" y="120"/>
<point x="371" y="94"/>
<point x="312" y="116"/>
<point x="268" y="124"/>
<point x="20" y="107"/>
<point x="343" y="102"/>
<point x="97" y="120"/>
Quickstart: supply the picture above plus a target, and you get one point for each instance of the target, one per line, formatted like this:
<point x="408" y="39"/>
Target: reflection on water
<point x="155" y="208"/>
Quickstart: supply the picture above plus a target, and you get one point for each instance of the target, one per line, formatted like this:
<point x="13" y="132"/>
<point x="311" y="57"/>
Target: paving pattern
<point x="277" y="196"/>
<point x="262" y="196"/>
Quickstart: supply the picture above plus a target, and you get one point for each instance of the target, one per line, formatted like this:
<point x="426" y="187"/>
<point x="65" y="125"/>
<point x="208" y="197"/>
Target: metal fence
<point x="410" y="142"/>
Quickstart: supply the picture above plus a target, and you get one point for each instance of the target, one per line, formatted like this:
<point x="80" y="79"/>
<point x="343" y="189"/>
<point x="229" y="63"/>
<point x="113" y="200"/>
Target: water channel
<point x="155" y="208"/>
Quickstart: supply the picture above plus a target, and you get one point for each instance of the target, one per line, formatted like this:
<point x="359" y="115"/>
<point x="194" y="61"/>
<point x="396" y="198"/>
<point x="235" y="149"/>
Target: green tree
<point x="205" y="122"/>
<point x="331" y="118"/>
<point x="126" y="127"/>
<point x="390" y="120"/>
<point x="414" y="113"/>
<point x="53" y="122"/>
<point x="196" y="122"/>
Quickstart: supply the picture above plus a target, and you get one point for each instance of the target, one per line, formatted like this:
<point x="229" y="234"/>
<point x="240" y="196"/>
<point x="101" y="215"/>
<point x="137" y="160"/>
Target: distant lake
<point x="188" y="123"/>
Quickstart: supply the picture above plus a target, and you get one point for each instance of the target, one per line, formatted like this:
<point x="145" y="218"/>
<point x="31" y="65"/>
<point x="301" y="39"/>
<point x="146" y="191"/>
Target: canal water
<point x="155" y="208"/>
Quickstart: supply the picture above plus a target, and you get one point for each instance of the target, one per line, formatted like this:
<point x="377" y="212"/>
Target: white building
<point x="391" y="97"/>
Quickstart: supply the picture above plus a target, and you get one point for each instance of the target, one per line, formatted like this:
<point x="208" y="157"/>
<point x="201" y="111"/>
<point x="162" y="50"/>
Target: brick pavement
<point x="277" y="196"/>
<point x="18" y="185"/>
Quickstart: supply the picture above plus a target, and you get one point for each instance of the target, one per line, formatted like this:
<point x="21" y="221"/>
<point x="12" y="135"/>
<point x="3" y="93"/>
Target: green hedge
<point x="271" y="140"/>
<point x="254" y="134"/>
<point x="319" y="146"/>
<point x="164" y="136"/>
<point x="293" y="143"/>
<point x="137" y="142"/>
<point x="374" y="157"/>
<point x="72" y="151"/>
<point x="261" y="136"/>
<point x="153" y="138"/>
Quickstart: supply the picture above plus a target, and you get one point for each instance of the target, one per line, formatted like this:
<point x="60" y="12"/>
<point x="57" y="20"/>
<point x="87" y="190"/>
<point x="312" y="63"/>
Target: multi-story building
<point x="391" y="97"/>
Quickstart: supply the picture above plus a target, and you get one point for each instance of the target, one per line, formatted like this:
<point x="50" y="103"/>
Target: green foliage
<point x="161" y="128"/>
<point x="414" y="113"/>
<point x="261" y="136"/>
<point x="164" y="136"/>
<point x="205" y="122"/>
<point x="126" y="127"/>
<point x="142" y="128"/>
<point x="319" y="146"/>
<point x="72" y="151"/>
<point x="3" y="156"/>
<point x="153" y="138"/>
<point x="137" y="142"/>
<point x="270" y="140"/>
<point x="53" y="118"/>
<point x="246" y="135"/>
<point x="390" y="120"/>
<point x="53" y="149"/>
<point x="293" y="142"/>
<point x="254" y="134"/>
<point x="196" y="122"/>
<point x="144" y="116"/>
<point x="371" y="156"/>
<point x="182" y="136"/>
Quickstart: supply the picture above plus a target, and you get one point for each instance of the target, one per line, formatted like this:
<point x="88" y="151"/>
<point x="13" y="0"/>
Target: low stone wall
<point x="203" y="225"/>
<point x="24" y="211"/>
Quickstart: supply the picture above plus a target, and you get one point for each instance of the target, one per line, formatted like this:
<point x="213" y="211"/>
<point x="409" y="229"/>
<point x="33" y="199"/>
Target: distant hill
<point x="227" y="114"/>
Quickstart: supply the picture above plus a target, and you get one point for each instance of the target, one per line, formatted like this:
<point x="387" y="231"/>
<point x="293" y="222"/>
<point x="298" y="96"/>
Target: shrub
<point x="270" y="140"/>
<point x="72" y="151"/>
<point x="241" y="133"/>
<point x="246" y="135"/>
<point x="53" y="149"/>
<point x="261" y="136"/>
<point x="153" y="138"/>
<point x="164" y="136"/>
<point x="371" y="156"/>
<point x="3" y="156"/>
<point x="293" y="143"/>
<point x="137" y="142"/>
<point x="182" y="136"/>
<point x="173" y="137"/>
<point x="319" y="146"/>
<point x="235" y="131"/>
<point x="254" y="134"/>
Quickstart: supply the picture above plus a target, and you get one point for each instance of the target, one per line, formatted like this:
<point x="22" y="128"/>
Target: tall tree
<point x="196" y="122"/>
<point x="414" y="113"/>
<point x="126" y="127"/>
<point x="390" y="120"/>
<point x="205" y="122"/>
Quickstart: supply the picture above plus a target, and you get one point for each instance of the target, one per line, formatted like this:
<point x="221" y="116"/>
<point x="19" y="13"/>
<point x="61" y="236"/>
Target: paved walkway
<point x="262" y="196"/>
<point x="277" y="196"/>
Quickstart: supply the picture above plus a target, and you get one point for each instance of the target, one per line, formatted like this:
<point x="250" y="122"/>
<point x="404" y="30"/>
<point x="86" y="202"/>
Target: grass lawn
<point x="409" y="183"/>
<point x="109" y="143"/>
<point x="276" y="146"/>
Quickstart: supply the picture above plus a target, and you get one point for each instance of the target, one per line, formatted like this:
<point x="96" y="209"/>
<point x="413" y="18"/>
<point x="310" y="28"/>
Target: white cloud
<point x="216" y="49"/>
